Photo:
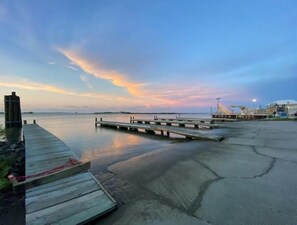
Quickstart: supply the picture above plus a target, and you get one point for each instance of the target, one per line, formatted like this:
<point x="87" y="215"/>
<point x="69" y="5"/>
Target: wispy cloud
<point x="72" y="67"/>
<point x="85" y="79"/>
<point x="95" y="70"/>
<point x="33" y="86"/>
<point x="151" y="95"/>
<point x="52" y="63"/>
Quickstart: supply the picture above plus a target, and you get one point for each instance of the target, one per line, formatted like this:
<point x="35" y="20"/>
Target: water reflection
<point x="100" y="145"/>
<point x="116" y="146"/>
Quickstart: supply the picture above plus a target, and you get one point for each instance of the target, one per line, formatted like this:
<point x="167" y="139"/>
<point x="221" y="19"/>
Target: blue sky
<point x="147" y="55"/>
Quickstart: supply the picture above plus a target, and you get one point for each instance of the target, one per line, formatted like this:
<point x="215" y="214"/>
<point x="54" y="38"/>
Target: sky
<point x="147" y="56"/>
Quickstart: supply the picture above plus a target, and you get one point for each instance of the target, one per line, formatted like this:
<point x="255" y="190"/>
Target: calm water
<point x="102" y="146"/>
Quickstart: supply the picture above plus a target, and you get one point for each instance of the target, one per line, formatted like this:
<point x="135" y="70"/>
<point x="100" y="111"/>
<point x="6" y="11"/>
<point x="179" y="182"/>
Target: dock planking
<point x="199" y="124"/>
<point x="151" y="129"/>
<point x="204" y="119"/>
<point x="74" y="199"/>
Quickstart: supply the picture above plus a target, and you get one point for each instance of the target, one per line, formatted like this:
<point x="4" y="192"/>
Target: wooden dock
<point x="181" y="123"/>
<point x="70" y="196"/>
<point x="208" y="119"/>
<point x="240" y="117"/>
<point x="164" y="130"/>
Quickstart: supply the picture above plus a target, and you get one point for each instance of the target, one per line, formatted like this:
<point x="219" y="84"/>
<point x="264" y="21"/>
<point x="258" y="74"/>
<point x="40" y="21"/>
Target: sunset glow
<point x="148" y="57"/>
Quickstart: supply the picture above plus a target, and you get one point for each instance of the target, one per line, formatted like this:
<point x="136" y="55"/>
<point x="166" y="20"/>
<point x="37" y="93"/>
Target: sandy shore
<point x="250" y="178"/>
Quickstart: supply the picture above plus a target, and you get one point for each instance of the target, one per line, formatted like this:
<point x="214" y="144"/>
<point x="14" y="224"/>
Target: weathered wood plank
<point x="50" y="156"/>
<point x="66" y="209"/>
<point x="33" y="182"/>
<point x="58" y="184"/>
<point x="104" y="206"/>
<point x="41" y="166"/>
<point x="71" y="196"/>
<point x="195" y="124"/>
<point x="188" y="133"/>
<point x="49" y="199"/>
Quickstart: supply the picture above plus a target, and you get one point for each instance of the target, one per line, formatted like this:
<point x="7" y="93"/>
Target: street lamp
<point x="254" y="101"/>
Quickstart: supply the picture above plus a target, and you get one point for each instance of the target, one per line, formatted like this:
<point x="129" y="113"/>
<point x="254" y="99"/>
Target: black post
<point x="13" y="116"/>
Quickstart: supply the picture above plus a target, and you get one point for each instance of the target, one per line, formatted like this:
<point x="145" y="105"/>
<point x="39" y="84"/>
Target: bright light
<point x="254" y="100"/>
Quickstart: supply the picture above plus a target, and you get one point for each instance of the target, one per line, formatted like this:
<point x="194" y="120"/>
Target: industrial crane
<point x="243" y="109"/>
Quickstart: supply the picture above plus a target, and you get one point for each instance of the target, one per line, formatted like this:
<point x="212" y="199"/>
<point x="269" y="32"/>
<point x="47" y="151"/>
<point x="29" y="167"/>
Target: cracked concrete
<point x="270" y="199"/>
<point x="248" y="179"/>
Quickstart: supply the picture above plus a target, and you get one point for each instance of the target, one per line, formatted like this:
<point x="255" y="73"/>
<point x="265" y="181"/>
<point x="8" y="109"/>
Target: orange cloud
<point x="115" y="77"/>
<point x="151" y="95"/>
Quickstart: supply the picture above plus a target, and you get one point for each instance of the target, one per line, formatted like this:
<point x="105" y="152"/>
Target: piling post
<point x="13" y="117"/>
<point x="25" y="121"/>
<point x="100" y="118"/>
<point x="34" y="121"/>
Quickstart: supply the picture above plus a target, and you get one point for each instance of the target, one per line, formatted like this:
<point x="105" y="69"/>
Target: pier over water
<point x="68" y="196"/>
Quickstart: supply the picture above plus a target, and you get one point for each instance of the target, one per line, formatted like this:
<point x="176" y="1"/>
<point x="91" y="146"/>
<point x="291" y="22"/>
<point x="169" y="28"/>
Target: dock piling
<point x="12" y="105"/>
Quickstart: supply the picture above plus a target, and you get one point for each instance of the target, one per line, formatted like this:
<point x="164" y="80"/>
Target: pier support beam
<point x="150" y="132"/>
<point x="133" y="129"/>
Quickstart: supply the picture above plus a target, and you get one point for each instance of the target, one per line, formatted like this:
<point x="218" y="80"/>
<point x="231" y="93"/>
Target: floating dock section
<point x="68" y="196"/>
<point x="164" y="130"/>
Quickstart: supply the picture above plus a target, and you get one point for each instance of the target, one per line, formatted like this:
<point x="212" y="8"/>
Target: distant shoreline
<point x="96" y="113"/>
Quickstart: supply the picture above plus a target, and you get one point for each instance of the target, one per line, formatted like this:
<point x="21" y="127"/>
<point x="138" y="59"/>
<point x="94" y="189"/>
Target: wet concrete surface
<point x="250" y="178"/>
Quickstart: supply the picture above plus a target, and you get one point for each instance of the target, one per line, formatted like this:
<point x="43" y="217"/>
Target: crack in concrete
<point x="197" y="202"/>
<point x="208" y="168"/>
<point x="203" y="188"/>
<point x="271" y="157"/>
<point x="269" y="168"/>
<point x="166" y="201"/>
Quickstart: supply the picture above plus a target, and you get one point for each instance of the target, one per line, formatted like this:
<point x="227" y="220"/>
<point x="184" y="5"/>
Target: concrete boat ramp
<point x="164" y="130"/>
<point x="68" y="196"/>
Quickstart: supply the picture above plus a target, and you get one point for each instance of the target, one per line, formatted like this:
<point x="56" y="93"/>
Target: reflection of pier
<point x="162" y="130"/>
<point x="68" y="195"/>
